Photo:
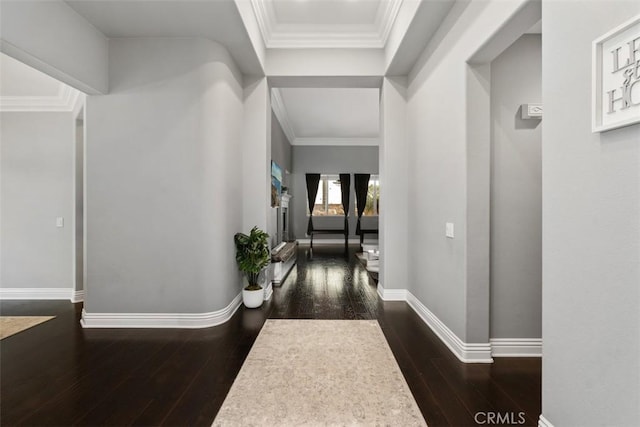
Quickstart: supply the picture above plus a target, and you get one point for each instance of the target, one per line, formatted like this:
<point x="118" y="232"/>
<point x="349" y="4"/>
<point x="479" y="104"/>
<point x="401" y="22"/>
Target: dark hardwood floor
<point x="58" y="373"/>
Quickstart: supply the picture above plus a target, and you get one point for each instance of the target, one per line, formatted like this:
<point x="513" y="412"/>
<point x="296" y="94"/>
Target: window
<point x="372" y="207"/>
<point x="329" y="197"/>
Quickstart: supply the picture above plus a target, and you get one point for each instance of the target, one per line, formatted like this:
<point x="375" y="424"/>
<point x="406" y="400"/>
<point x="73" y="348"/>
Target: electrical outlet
<point x="59" y="222"/>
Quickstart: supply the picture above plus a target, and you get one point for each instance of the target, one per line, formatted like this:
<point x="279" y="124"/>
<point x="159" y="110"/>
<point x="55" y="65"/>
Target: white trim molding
<point x="392" y="294"/>
<point x="268" y="291"/>
<point x="37" y="293"/>
<point x="466" y="352"/>
<point x="161" y="320"/>
<point x="277" y="105"/>
<point x="543" y="422"/>
<point x="339" y="142"/>
<point x="77" y="296"/>
<point x="516" y="347"/>
<point x="281" y="35"/>
<point x="64" y="101"/>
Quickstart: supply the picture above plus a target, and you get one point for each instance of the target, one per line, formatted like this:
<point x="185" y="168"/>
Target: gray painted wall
<point x="329" y="160"/>
<point x="280" y="147"/>
<point x="281" y="154"/>
<point x="79" y="202"/>
<point x="37" y="154"/>
<point x="591" y="235"/>
<point x="516" y="193"/>
<point x="438" y="114"/>
<point x="163" y="183"/>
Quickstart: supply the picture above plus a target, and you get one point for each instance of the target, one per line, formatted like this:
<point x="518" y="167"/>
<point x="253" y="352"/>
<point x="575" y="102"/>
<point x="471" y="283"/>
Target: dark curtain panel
<point x="345" y="189"/>
<point x="313" y="179"/>
<point x="362" y="188"/>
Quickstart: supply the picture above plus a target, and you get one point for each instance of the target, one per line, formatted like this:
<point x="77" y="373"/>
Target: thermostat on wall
<point x="531" y="111"/>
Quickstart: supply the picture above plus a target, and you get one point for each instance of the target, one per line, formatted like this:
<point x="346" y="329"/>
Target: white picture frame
<point x="615" y="90"/>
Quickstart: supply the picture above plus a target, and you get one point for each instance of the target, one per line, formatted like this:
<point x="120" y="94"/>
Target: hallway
<point x="60" y="374"/>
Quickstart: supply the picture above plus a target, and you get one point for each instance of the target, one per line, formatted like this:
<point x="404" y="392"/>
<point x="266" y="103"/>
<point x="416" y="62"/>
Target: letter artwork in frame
<point x="616" y="77"/>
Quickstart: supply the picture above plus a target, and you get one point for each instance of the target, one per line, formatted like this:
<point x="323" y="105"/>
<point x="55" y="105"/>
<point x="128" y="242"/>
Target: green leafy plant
<point x="252" y="255"/>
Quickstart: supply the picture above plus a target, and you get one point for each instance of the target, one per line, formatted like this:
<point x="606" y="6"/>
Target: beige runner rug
<point x="320" y="372"/>
<point x="11" y="325"/>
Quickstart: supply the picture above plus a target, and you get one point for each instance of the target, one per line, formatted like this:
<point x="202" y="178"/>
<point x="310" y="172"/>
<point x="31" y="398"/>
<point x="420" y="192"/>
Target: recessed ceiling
<point x="321" y="116"/>
<point x="217" y="20"/>
<point x="325" y="23"/>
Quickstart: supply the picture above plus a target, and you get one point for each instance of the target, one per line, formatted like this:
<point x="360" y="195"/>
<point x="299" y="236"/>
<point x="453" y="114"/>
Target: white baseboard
<point x="77" y="296"/>
<point x="466" y="352"/>
<point x="268" y="291"/>
<point x="392" y="294"/>
<point x="516" y="347"/>
<point x="320" y="242"/>
<point x="161" y="320"/>
<point x="38" y="293"/>
<point x="543" y="422"/>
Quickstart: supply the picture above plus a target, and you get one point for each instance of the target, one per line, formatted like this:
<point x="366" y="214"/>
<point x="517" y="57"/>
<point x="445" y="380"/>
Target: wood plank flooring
<point x="61" y="374"/>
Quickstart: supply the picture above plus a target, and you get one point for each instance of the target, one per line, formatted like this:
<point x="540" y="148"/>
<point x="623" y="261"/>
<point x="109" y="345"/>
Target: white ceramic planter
<point x="252" y="299"/>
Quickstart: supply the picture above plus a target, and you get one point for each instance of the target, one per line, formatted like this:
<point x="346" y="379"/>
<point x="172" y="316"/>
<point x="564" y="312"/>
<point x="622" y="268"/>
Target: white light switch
<point x="59" y="221"/>
<point x="449" y="230"/>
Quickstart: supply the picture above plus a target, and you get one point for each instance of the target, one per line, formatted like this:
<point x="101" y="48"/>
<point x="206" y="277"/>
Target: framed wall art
<point x="616" y="77"/>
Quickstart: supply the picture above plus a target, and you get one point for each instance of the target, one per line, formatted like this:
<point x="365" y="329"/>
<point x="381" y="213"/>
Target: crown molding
<point x="265" y="16"/>
<point x="340" y="142"/>
<point x="64" y="101"/>
<point x="325" y="41"/>
<point x="281" y="113"/>
<point x="288" y="36"/>
<point x="386" y="18"/>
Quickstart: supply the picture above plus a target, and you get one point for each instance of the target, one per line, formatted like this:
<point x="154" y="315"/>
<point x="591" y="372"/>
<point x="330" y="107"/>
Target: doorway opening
<point x="504" y="189"/>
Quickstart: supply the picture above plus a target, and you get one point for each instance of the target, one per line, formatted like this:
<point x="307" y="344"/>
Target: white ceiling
<point x="325" y="12"/>
<point x="18" y="79"/>
<point x="328" y="116"/>
<point x="23" y="88"/>
<point x="325" y="23"/>
<point x="217" y="20"/>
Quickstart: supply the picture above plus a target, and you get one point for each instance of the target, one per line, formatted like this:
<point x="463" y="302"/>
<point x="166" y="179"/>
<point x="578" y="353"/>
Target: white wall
<point x="36" y="175"/>
<point x="163" y="166"/>
<point x="516" y="192"/>
<point x="53" y="38"/>
<point x="591" y="237"/>
<point x="437" y="158"/>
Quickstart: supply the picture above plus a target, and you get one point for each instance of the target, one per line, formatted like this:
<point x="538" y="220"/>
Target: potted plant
<point x="252" y="256"/>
